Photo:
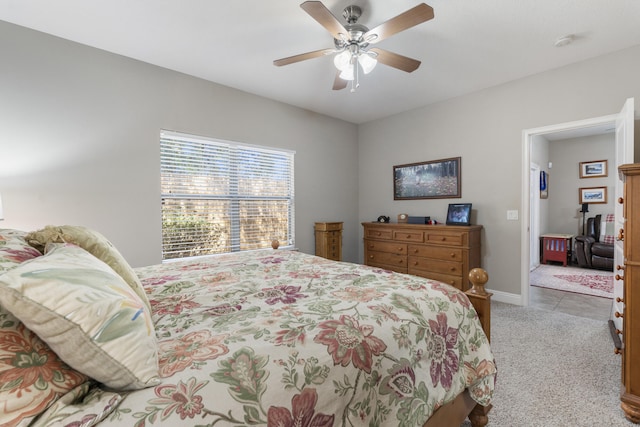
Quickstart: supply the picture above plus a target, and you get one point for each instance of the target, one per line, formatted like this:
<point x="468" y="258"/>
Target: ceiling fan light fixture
<point x="347" y="73"/>
<point x="342" y="61"/>
<point x="367" y="62"/>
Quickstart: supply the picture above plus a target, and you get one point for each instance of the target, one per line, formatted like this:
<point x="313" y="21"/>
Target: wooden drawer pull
<point x="453" y="255"/>
<point x="619" y="277"/>
<point x="617" y="351"/>
<point x="619" y="267"/>
<point x="400" y="249"/>
<point x="618" y="299"/>
<point x="619" y="315"/>
<point x="620" y="200"/>
<point x="621" y="234"/>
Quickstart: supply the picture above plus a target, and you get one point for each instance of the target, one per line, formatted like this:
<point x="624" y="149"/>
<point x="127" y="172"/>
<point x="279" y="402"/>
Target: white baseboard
<point x="506" y="297"/>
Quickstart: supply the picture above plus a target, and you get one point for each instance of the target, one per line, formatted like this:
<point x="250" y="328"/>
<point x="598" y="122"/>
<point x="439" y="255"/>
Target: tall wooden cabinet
<point x="329" y="240"/>
<point x="630" y="234"/>
<point x="441" y="252"/>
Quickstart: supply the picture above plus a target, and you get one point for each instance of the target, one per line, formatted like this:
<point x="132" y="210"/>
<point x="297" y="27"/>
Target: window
<point x="221" y="196"/>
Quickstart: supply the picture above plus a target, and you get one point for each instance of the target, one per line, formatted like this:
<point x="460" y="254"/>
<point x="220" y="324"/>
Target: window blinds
<point x="221" y="196"/>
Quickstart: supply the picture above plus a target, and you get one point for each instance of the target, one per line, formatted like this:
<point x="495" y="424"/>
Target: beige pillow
<point x="94" y="243"/>
<point x="86" y="313"/>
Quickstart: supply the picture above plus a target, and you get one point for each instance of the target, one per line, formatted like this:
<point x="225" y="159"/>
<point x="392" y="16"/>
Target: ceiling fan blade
<point x="338" y="83"/>
<point x="412" y="17"/>
<point x="320" y="13"/>
<point x="302" y="57"/>
<point x="395" y="60"/>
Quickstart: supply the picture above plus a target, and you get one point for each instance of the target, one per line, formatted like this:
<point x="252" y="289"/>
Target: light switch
<point x="512" y="215"/>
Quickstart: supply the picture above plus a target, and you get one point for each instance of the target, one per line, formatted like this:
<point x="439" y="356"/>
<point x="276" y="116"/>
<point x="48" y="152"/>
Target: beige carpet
<point x="554" y="370"/>
<point x="573" y="279"/>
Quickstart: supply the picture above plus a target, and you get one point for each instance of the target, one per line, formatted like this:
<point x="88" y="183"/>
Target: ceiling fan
<point x="352" y="41"/>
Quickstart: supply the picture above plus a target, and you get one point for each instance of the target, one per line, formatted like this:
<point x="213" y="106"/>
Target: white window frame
<point x="213" y="204"/>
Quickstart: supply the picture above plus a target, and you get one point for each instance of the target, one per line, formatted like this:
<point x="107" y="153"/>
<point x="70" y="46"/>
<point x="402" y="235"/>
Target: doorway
<point x="624" y="154"/>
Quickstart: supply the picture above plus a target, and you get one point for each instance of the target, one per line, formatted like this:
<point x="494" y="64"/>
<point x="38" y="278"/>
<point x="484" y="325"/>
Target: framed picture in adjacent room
<point x="436" y="179"/>
<point x="593" y="195"/>
<point x="544" y="185"/>
<point x="593" y="169"/>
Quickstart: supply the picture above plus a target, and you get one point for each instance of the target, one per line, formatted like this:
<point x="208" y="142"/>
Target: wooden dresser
<point x="441" y="252"/>
<point x="630" y="235"/>
<point x="329" y="240"/>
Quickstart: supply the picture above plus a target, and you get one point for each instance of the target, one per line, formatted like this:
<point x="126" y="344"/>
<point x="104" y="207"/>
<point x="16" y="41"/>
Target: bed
<point x="268" y="337"/>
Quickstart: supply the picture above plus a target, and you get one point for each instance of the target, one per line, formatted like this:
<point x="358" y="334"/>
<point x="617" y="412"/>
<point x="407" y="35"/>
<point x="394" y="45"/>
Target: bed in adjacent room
<point x="269" y="337"/>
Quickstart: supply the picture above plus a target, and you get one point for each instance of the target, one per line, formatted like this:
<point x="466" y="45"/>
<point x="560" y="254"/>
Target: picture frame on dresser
<point x="435" y="179"/>
<point x="459" y="214"/>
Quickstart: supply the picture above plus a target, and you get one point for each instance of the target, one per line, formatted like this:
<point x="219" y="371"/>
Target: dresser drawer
<point x="391" y="247"/>
<point x="385" y="258"/>
<point x="447" y="254"/>
<point x="379" y="233"/>
<point x="444" y="238"/>
<point x="454" y="281"/>
<point x="333" y="237"/>
<point x="434" y="265"/>
<point x="415" y="236"/>
<point x="328" y="226"/>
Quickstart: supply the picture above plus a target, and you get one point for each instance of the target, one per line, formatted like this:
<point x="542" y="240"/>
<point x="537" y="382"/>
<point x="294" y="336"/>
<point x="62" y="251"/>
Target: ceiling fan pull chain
<point x="356" y="70"/>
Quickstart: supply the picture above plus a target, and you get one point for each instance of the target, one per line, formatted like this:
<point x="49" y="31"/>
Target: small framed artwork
<point x="459" y="214"/>
<point x="593" y="169"/>
<point x="436" y="179"/>
<point x="593" y="195"/>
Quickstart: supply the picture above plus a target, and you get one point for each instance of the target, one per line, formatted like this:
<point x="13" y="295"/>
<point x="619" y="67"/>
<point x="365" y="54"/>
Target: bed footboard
<point x="463" y="406"/>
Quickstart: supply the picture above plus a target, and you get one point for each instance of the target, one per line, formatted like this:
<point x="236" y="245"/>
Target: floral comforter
<point x="280" y="338"/>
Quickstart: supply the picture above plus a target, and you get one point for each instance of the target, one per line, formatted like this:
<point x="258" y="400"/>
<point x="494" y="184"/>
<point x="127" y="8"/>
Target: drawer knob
<point x="443" y="239"/>
<point x="620" y="200"/>
<point x="617" y="351"/>
<point x="619" y="277"/>
<point x="618" y="331"/>
<point x="408" y="236"/>
<point x="618" y="299"/>
<point x="453" y="269"/>
<point x="619" y="267"/>
<point x="619" y="315"/>
<point x="400" y="249"/>
<point x="453" y="255"/>
<point x="370" y="256"/>
<point x="621" y="234"/>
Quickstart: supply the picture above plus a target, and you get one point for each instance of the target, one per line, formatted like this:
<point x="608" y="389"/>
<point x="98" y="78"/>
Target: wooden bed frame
<point x="463" y="407"/>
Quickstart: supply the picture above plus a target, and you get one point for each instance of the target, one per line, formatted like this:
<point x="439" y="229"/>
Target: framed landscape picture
<point x="593" y="169"/>
<point x="593" y="195"/>
<point x="436" y="179"/>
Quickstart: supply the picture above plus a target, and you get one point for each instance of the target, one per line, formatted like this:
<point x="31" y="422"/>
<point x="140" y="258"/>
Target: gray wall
<point x="485" y="128"/>
<point x="79" y="142"/>
<point x="566" y="156"/>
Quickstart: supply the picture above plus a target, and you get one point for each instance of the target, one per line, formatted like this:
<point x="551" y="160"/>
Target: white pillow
<point x="86" y="313"/>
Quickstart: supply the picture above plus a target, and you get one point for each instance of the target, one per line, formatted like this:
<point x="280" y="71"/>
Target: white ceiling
<point x="468" y="46"/>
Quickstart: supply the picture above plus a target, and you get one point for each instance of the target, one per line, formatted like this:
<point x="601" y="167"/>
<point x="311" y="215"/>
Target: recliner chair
<point x="590" y="252"/>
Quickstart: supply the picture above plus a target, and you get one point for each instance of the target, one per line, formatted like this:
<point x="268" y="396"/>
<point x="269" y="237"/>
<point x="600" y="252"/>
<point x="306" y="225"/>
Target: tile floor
<point x="570" y="303"/>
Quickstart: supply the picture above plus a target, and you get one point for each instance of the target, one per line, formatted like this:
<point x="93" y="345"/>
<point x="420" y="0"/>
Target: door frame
<point x="527" y="140"/>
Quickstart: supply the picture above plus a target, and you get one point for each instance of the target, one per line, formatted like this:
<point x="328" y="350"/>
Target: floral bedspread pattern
<point x="280" y="338"/>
